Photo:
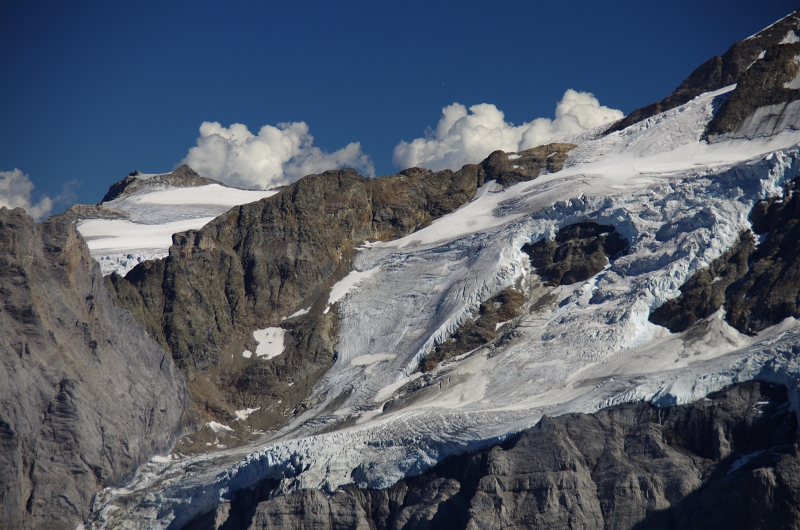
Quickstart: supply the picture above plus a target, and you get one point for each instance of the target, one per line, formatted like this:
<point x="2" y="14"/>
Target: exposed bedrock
<point x="476" y="332"/>
<point x="578" y="252"/>
<point x="183" y="177"/>
<point x="718" y="72"/>
<point x="758" y="284"/>
<point x="768" y="84"/>
<point x="255" y="265"/>
<point x="728" y="461"/>
<point x="86" y="396"/>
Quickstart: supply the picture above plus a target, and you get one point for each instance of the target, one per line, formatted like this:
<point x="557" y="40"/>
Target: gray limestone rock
<point x="85" y="395"/>
<point x="728" y="461"/>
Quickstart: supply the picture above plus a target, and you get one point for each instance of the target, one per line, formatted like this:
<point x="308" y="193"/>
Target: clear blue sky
<point x="93" y="90"/>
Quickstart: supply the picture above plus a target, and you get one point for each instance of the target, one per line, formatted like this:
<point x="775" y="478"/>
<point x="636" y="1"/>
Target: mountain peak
<point x="182" y="177"/>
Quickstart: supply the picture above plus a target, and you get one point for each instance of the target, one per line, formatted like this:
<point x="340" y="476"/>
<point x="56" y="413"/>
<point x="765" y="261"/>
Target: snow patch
<point x="791" y="37"/>
<point x="270" y="342"/>
<point x="218" y="427"/>
<point x="245" y="413"/>
<point x="347" y="284"/>
<point x="297" y="313"/>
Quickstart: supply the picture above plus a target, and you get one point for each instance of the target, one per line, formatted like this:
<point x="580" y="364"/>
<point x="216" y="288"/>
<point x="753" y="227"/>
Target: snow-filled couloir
<point x="375" y="418"/>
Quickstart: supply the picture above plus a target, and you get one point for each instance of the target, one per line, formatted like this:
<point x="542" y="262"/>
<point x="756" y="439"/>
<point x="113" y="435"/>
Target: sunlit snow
<point x="270" y="342"/>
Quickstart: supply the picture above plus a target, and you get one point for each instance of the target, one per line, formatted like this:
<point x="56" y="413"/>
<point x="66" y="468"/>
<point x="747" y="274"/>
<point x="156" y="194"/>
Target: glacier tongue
<point x="680" y="203"/>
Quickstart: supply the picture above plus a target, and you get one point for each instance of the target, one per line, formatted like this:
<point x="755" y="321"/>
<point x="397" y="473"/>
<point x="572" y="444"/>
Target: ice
<point x="680" y="202"/>
<point x="270" y="342"/>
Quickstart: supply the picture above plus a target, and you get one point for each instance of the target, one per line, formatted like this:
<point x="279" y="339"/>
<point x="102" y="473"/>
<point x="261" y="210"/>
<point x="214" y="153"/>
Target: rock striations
<point x="728" y="461"/>
<point x="85" y="395"/>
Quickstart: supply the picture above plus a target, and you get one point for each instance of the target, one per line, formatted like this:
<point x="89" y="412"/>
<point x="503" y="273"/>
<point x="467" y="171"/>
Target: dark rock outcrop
<point x="577" y="253"/>
<point x="85" y="395"/>
<point x="183" y="177"/>
<point x="78" y="212"/>
<point x="761" y="85"/>
<point x="527" y="164"/>
<point x="728" y="461"/>
<point x="704" y="293"/>
<point x="503" y="307"/>
<point x="759" y="286"/>
<point x="718" y="72"/>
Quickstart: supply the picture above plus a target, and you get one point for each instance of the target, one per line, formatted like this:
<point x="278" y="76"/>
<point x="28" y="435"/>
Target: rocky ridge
<point x="183" y="177"/>
<point x="86" y="396"/>
<point x="719" y="71"/>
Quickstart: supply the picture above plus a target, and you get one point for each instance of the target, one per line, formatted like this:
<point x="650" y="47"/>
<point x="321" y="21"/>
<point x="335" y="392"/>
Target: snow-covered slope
<point x="374" y="418"/>
<point x="156" y="212"/>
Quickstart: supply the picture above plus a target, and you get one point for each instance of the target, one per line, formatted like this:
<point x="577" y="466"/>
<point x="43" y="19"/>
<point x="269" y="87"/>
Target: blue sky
<point x="93" y="90"/>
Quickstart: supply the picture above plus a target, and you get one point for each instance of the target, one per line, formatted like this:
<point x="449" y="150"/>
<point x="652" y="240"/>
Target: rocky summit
<point x="597" y="333"/>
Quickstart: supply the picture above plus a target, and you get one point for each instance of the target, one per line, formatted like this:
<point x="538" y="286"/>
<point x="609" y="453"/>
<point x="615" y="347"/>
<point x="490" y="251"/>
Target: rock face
<point x="500" y="308"/>
<point x="577" y="253"/>
<point x="718" y="72"/>
<point x="759" y="285"/>
<point x="766" y="84"/>
<point x="255" y="265"/>
<point x="85" y="395"/>
<point x="93" y="211"/>
<point x="729" y="461"/>
<point x="182" y="177"/>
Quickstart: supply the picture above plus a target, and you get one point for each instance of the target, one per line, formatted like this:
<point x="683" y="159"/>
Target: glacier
<point x="375" y="418"/>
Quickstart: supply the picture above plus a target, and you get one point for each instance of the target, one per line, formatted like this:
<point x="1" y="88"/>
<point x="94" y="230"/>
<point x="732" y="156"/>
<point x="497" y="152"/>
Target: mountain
<point x="600" y="332"/>
<point x="137" y="217"/>
<point x="86" y="397"/>
<point x="726" y="70"/>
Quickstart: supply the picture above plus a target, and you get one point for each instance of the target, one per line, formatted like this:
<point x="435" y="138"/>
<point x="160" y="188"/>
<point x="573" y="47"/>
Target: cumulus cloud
<point x="15" y="191"/>
<point x="466" y="137"/>
<point x="275" y="156"/>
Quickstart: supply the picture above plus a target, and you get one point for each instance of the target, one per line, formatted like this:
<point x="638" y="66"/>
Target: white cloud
<point x="15" y="191"/>
<point x="463" y="137"/>
<point x="275" y="156"/>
